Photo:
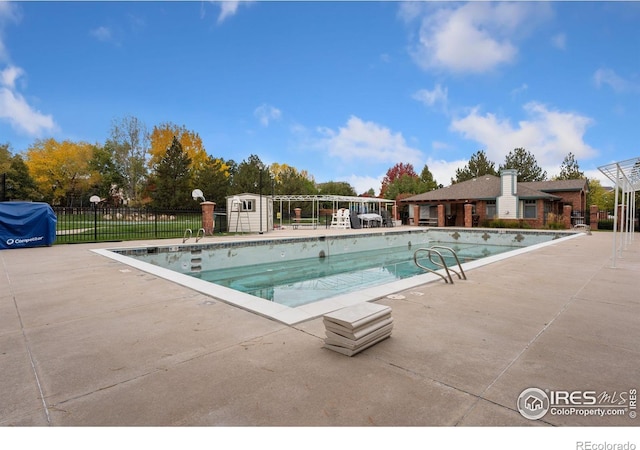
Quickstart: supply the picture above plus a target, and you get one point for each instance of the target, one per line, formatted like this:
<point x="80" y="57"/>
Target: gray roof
<point x="487" y="187"/>
<point x="558" y="185"/>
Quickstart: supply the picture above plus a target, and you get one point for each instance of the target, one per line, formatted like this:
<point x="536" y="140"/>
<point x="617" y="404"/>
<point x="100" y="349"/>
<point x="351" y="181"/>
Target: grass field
<point x="90" y="227"/>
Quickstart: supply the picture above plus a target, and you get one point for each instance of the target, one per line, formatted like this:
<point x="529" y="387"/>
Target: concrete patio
<point x="85" y="340"/>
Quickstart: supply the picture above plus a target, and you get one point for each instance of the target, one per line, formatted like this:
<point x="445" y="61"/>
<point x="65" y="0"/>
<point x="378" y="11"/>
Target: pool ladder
<point x="188" y="233"/>
<point x="434" y="251"/>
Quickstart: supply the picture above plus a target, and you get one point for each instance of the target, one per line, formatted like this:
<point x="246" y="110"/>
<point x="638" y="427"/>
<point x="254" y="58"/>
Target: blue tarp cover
<point x="26" y="224"/>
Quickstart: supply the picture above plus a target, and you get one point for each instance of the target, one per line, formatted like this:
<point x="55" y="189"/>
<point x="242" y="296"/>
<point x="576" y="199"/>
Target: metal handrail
<point x="433" y="251"/>
<point x="198" y="237"/>
<point x="429" y="269"/>
<point x="185" y="237"/>
<point x="455" y="255"/>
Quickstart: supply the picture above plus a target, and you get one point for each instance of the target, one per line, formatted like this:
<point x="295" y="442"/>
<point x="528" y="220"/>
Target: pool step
<point x="196" y="264"/>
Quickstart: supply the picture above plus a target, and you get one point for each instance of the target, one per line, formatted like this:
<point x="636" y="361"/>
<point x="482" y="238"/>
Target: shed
<point x="249" y="213"/>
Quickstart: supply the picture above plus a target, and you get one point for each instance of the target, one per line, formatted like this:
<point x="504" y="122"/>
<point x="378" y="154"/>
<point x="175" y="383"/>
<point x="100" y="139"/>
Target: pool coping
<point x="296" y="315"/>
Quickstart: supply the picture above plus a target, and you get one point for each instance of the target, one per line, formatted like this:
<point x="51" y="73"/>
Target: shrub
<point x="507" y="223"/>
<point x="605" y="224"/>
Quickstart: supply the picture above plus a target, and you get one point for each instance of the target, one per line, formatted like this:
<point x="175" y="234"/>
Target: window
<point x="530" y="209"/>
<point x="248" y="205"/>
<point x="491" y="209"/>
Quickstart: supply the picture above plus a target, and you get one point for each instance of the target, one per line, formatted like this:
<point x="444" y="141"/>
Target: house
<point x="249" y="213"/>
<point x="488" y="197"/>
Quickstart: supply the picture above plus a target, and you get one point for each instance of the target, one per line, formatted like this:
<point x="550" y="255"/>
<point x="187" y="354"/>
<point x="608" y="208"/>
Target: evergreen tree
<point x="213" y="179"/>
<point x="426" y="176"/>
<point x="336" y="188"/>
<point x="570" y="169"/>
<point x="171" y="178"/>
<point x="247" y="177"/>
<point x="18" y="183"/>
<point x="526" y="165"/>
<point x="478" y="166"/>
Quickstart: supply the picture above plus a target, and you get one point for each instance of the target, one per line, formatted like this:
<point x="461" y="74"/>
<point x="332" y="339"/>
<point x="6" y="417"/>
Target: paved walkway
<point x="85" y="340"/>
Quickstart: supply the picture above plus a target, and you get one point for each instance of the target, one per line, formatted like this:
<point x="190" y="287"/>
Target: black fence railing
<point x="99" y="224"/>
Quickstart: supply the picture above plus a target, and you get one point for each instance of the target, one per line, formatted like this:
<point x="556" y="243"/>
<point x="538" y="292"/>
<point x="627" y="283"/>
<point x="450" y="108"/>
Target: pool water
<point x="298" y="282"/>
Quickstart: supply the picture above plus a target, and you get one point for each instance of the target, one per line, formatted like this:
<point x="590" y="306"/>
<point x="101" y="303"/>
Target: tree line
<point x="137" y="167"/>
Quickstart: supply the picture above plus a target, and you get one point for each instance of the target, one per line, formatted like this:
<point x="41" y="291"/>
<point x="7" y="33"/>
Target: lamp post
<point x="95" y="200"/>
<point x="207" y="211"/>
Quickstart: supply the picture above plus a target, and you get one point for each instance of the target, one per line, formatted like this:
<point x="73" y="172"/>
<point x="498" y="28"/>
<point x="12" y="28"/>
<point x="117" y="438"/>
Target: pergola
<point x="364" y="204"/>
<point x="626" y="177"/>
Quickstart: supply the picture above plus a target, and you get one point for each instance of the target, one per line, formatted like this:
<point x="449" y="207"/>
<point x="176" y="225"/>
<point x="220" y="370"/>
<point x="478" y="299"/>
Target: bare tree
<point x="131" y="139"/>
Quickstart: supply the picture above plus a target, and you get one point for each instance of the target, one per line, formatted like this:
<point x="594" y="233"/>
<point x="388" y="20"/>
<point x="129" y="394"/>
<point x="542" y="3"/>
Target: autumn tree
<point x="526" y="165"/>
<point x="570" y="169"/>
<point x="171" y="178"/>
<point x="401" y="181"/>
<point x="394" y="174"/>
<point x="405" y="186"/>
<point x="477" y="166"/>
<point x="289" y="180"/>
<point x="130" y="139"/>
<point x="61" y="170"/>
<point x="161" y="138"/>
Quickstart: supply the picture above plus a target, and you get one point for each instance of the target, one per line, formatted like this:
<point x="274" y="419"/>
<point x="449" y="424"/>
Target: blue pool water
<point x="302" y="281"/>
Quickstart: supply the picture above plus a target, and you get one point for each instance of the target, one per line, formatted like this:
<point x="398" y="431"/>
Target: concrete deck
<point x="85" y="340"/>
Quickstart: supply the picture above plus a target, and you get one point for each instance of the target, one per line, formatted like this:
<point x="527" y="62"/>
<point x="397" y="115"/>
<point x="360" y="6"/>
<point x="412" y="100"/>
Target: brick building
<point x="472" y="202"/>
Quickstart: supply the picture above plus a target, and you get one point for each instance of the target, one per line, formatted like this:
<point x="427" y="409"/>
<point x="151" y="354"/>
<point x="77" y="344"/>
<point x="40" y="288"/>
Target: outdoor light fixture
<point x="196" y="194"/>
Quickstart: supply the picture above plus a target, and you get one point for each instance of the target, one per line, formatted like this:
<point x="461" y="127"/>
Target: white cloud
<point x="363" y="183"/>
<point x="15" y="109"/>
<point x="9" y="76"/>
<point x="102" y="33"/>
<point x="617" y="83"/>
<point x="443" y="171"/>
<point x="367" y="142"/>
<point x="476" y="37"/>
<point x="228" y="8"/>
<point x="438" y="95"/>
<point x="266" y="113"/>
<point x="548" y="134"/>
<point x="9" y="12"/>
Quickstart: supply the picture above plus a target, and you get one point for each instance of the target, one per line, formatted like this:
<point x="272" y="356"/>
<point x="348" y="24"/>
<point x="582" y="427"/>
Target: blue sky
<point x="343" y="90"/>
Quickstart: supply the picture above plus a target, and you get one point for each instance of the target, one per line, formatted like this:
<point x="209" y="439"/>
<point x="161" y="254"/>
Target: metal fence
<point x="99" y="224"/>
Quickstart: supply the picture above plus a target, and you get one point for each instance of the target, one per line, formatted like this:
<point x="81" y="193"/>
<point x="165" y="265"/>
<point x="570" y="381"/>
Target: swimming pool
<point x="273" y="277"/>
<point x="302" y="281"/>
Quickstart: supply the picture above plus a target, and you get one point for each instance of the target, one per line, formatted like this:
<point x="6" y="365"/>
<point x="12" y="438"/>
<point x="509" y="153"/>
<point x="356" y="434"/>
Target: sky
<point x="342" y="90"/>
